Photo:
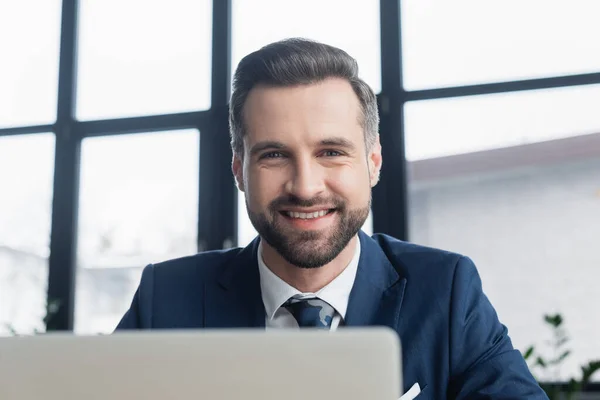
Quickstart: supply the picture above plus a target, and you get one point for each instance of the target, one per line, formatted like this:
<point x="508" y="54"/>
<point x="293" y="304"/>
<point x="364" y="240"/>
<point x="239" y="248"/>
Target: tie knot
<point x="314" y="313"/>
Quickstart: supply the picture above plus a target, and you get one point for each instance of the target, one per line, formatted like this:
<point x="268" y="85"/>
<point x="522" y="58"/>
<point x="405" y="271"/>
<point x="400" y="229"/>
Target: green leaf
<point x="555" y="320"/>
<point x="560" y="358"/>
<point x="562" y="341"/>
<point x="540" y="361"/>
<point x="589" y="370"/>
<point x="528" y="352"/>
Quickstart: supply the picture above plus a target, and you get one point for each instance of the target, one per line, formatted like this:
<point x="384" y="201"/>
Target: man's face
<point x="305" y="171"/>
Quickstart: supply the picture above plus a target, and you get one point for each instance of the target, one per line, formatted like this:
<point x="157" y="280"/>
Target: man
<point x="306" y="153"/>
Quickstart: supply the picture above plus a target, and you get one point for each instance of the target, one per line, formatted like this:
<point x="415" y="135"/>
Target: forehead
<point x="311" y="111"/>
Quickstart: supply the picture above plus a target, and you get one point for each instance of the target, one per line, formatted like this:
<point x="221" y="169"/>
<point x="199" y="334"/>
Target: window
<point x="141" y="57"/>
<point x="460" y="42"/>
<point x="450" y="126"/>
<point x="138" y="205"/>
<point x="351" y="25"/>
<point x="29" y="68"/>
<point x="26" y="165"/>
<point x="528" y="213"/>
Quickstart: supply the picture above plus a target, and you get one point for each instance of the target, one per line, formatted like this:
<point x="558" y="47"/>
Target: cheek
<point x="351" y="183"/>
<point x="262" y="187"/>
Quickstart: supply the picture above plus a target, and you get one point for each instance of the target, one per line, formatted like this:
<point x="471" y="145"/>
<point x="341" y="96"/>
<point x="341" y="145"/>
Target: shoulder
<point x="170" y="293"/>
<point x="414" y="258"/>
<point x="436" y="269"/>
<point x="202" y="266"/>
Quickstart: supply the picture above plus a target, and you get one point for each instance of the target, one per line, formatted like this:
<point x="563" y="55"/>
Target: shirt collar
<point x="275" y="291"/>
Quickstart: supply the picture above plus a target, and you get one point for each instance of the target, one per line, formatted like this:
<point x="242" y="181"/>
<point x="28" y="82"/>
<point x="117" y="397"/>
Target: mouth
<point x="307" y="215"/>
<point x="309" y="220"/>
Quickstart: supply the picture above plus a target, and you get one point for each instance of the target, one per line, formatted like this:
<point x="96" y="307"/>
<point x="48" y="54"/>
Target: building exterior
<point x="529" y="217"/>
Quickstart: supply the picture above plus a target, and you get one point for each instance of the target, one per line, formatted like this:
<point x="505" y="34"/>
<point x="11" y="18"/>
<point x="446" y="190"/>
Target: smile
<point x="310" y="215"/>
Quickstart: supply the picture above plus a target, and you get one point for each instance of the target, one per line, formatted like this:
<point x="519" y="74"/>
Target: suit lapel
<point x="376" y="297"/>
<point x="236" y="300"/>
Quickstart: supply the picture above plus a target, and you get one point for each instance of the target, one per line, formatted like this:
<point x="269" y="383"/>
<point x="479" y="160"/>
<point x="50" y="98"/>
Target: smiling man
<point x="306" y="154"/>
<point x="307" y="174"/>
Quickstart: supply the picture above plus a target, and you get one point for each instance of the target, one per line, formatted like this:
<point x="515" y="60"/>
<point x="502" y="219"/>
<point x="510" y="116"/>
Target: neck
<point x="308" y="280"/>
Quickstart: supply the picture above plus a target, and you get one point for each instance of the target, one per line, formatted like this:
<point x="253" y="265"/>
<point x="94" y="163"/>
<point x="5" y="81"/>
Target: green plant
<point x="560" y="352"/>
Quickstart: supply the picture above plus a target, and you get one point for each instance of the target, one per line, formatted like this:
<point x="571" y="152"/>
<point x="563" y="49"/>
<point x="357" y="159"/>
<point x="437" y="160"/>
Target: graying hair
<point x="293" y="62"/>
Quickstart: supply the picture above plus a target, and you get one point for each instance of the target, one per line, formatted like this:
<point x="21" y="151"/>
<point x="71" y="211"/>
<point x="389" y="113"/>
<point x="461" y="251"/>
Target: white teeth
<point x="312" y="215"/>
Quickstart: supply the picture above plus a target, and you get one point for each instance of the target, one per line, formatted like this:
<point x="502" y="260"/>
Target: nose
<point x="306" y="181"/>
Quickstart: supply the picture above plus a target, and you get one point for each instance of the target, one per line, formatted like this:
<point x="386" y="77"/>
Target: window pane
<point x="141" y="57"/>
<point x="528" y="215"/>
<point x="29" y="69"/>
<point x="247" y="233"/>
<point x="256" y="23"/>
<point x="447" y="43"/>
<point x="138" y="205"/>
<point x="459" y="125"/>
<point x="26" y="178"/>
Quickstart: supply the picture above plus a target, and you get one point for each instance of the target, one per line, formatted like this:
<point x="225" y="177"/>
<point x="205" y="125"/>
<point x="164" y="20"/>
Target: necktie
<point x="313" y="313"/>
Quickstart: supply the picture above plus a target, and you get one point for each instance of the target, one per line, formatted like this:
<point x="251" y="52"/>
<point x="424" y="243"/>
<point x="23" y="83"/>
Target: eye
<point x="272" y="154"/>
<point x="331" y="153"/>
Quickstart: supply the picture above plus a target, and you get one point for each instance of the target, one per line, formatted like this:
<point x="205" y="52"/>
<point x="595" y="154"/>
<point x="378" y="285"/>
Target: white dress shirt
<point x="275" y="292"/>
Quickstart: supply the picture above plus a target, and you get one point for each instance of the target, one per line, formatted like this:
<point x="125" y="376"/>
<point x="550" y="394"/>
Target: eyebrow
<point x="338" y="142"/>
<point x="274" y="145"/>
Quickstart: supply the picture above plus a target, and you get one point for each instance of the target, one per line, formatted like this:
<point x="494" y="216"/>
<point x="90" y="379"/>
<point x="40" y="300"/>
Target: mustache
<point x="294" y="201"/>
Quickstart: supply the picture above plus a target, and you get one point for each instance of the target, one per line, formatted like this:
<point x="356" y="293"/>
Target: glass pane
<point x="444" y="127"/>
<point x="29" y="69"/>
<point x="26" y="178"/>
<point x="247" y="233"/>
<point x="141" y="57"/>
<point x="528" y="215"/>
<point x="138" y="205"/>
<point x="256" y="23"/>
<point x="447" y="43"/>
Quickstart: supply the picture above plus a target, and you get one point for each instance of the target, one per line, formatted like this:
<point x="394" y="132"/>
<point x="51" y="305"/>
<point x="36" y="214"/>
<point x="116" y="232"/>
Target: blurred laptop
<point x="348" y="364"/>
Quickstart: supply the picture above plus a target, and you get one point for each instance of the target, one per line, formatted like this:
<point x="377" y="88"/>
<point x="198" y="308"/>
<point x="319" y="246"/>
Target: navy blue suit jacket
<point x="453" y="343"/>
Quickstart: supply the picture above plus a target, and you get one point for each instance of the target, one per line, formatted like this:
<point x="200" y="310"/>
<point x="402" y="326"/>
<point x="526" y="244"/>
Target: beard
<point x="308" y="249"/>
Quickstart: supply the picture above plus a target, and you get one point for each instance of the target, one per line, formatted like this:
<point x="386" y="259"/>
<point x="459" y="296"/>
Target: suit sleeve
<point x="139" y="315"/>
<point x="484" y="363"/>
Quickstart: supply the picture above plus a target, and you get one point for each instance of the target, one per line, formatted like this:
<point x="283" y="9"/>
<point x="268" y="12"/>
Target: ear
<point x="375" y="161"/>
<point x="237" y="167"/>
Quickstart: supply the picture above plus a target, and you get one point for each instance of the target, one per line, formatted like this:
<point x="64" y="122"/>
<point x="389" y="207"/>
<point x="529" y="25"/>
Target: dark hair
<point x="293" y="62"/>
